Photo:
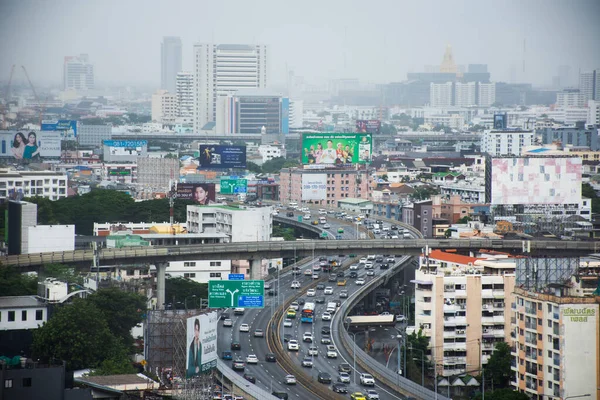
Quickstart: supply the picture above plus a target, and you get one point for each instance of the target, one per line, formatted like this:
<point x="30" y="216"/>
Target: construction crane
<point x="41" y="106"/>
<point x="7" y="98"/>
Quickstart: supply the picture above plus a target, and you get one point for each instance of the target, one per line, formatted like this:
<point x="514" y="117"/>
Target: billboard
<point x="314" y="186"/>
<point x="234" y="186"/>
<point x="536" y="180"/>
<point x="201" y="344"/>
<point x="368" y="126"/>
<point x="66" y="127"/>
<point x="124" y="150"/>
<point x="336" y="149"/>
<point x="29" y="146"/>
<point x="201" y="193"/>
<point x="216" y="156"/>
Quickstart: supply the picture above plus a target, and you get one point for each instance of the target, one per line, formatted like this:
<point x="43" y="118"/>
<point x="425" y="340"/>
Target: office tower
<point x="223" y="69"/>
<point x="170" y="62"/>
<point x="440" y="94"/>
<point x="589" y="85"/>
<point x="464" y="94"/>
<point x="185" y="94"/>
<point x="487" y="94"/>
<point x="78" y="73"/>
<point x="570" y="98"/>
<point x="252" y="111"/>
<point x="164" y="107"/>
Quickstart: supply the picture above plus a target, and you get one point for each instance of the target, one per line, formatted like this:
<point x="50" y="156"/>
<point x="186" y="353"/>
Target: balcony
<point x="456" y="346"/>
<point x="460" y="293"/>
<point x="449" y="321"/>
<point x="498" y="293"/>
<point x="487" y="293"/>
<point x="450" y="308"/>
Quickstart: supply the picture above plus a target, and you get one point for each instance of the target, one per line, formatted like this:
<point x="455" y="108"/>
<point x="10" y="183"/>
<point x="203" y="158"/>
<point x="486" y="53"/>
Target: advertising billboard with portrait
<point x="368" y="126"/>
<point x="314" y="186"/>
<point x="222" y="157"/>
<point x="66" y="128"/>
<point x="336" y="149"/>
<point x="201" y="344"/>
<point x="201" y="193"/>
<point x="29" y="146"/>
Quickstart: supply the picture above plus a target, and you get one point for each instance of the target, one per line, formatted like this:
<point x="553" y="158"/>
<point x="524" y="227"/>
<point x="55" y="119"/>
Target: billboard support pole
<point x="161" y="272"/>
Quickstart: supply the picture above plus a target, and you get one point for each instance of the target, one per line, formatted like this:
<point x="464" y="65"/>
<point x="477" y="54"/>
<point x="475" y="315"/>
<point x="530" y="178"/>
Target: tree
<point x="464" y="220"/>
<point x="253" y="167"/>
<point x="122" y="310"/>
<point x="503" y="394"/>
<point x="78" y="334"/>
<point x="424" y="193"/>
<point x="588" y="191"/>
<point x="177" y="290"/>
<point x="286" y="233"/>
<point x="63" y="273"/>
<point x="14" y="283"/>
<point x="497" y="369"/>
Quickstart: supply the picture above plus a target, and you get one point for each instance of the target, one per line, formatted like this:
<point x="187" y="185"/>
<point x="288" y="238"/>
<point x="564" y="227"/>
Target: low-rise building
<point x="18" y="184"/>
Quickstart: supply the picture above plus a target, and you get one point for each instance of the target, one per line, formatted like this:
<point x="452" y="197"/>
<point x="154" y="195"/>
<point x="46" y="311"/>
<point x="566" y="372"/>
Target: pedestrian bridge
<point x="300" y="248"/>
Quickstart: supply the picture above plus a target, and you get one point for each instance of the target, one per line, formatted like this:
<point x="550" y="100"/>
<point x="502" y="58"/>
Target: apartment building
<point x="556" y="333"/>
<point x="165" y="108"/>
<point x="240" y="224"/>
<point x="506" y="142"/>
<point x="13" y="184"/>
<point x="462" y="303"/>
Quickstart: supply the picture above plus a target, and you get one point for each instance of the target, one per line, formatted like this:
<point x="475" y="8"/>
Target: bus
<point x="308" y="312"/>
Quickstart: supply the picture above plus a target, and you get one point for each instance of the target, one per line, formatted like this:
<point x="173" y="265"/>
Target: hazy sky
<point x="375" y="41"/>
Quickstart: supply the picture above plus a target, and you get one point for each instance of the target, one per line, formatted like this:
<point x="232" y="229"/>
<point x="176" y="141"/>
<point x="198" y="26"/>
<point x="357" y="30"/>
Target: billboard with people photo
<point x="201" y="193"/>
<point x="368" y="126"/>
<point x="29" y="146"/>
<point x="336" y="149"/>
<point x="201" y="339"/>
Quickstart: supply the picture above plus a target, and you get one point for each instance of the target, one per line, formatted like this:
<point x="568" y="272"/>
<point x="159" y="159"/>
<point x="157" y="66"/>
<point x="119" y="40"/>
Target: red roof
<point x="452" y="258"/>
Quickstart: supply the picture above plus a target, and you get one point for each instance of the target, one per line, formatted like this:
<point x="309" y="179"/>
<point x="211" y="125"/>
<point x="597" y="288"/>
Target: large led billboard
<point x="201" y="344"/>
<point x="368" y="126"/>
<point x="536" y="180"/>
<point x="314" y="186"/>
<point x="29" y="146"/>
<point x="201" y="193"/>
<point x="336" y="149"/>
<point x="217" y="156"/>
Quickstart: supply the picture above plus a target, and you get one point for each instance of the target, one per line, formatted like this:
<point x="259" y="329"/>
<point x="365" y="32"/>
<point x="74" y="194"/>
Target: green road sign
<point x="234" y="186"/>
<point x="247" y="294"/>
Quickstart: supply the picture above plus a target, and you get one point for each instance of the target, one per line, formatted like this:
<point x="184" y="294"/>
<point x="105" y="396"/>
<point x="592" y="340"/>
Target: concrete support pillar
<point x="255" y="269"/>
<point x="161" y="271"/>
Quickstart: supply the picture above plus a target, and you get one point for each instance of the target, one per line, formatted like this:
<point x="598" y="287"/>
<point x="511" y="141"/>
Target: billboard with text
<point x="29" y="146"/>
<point x="67" y="128"/>
<point x="222" y="157"/>
<point x="336" y="149"/>
<point x="368" y="126"/>
<point x="234" y="186"/>
<point x="314" y="186"/>
<point x="201" y="193"/>
<point x="201" y="344"/>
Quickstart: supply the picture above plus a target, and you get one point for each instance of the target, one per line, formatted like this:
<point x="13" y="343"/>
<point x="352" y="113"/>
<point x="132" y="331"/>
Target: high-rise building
<point x="441" y="94"/>
<point x="78" y="73"/>
<point x="465" y="94"/>
<point x="593" y="112"/>
<point x="164" y="107"/>
<point x="170" y="62"/>
<point x="589" y="84"/>
<point x="224" y="69"/>
<point x="296" y="113"/>
<point x="185" y="94"/>
<point x="501" y="142"/>
<point x="570" y="98"/>
<point x="486" y="94"/>
<point x="252" y="112"/>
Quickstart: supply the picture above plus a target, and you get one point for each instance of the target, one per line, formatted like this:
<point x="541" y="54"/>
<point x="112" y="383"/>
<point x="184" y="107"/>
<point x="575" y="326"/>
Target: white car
<point x="311" y="292"/>
<point x="306" y="216"/>
<point x="331" y="351"/>
<point x="325" y="340"/>
<point x="368" y="265"/>
<point x="372" y="395"/>
<point x="360" y="281"/>
<point x="328" y="290"/>
<point x="354" y="267"/>
<point x="293" y="345"/>
<point x="371" y="257"/>
<point x="315" y="276"/>
<point x="367" y="380"/>
<point x="313" y="351"/>
<point x="326" y="316"/>
<point x="377" y="231"/>
<point x="386" y="228"/>
<point x="295" y="305"/>
<point x="390" y="259"/>
<point x="307" y="362"/>
<point x="322" y="211"/>
<point x="344" y="377"/>
<point x="326" y="226"/>
<point x="244" y="328"/>
<point x="363" y="260"/>
<point x="287" y="323"/>
<point x="370" y="273"/>
<point x="307" y="337"/>
<point x="400" y="318"/>
<point x="290" y="380"/>
<point x="295" y="285"/>
<point x="239" y="311"/>
<point x="228" y="322"/>
<point x="251" y="359"/>
<point x="308" y="271"/>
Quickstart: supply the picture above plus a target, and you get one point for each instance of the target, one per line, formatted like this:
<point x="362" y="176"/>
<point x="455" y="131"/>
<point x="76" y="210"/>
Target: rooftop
<point x="452" y="258"/>
<point x="20" y="302"/>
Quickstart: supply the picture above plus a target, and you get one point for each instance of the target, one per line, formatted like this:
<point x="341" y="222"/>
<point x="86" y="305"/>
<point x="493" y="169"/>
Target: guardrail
<point x="379" y="371"/>
<point x="245" y="386"/>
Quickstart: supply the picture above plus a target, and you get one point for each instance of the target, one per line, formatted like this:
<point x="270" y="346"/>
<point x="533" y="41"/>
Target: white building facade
<point x="506" y="142"/>
<point x="269" y="152"/>
<point x="223" y="69"/>
<point x="487" y="94"/>
<point x="570" y="98"/>
<point x="22" y="312"/>
<point x="78" y="73"/>
<point x="47" y="184"/>
<point x="164" y="107"/>
<point x="464" y="94"/>
<point x="200" y="271"/>
<point x="440" y="94"/>
<point x="185" y="94"/>
<point x="240" y="224"/>
<point x="593" y="117"/>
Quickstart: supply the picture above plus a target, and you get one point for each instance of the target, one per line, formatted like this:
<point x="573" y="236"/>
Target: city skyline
<point x="317" y="41"/>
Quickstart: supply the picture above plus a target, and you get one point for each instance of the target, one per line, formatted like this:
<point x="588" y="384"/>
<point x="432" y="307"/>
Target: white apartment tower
<point x="170" y="62"/>
<point x="593" y="112"/>
<point x="570" y="98"/>
<point x="440" y="94"/>
<point x="589" y="84"/>
<point x="487" y="94"/>
<point x="464" y="95"/>
<point x="506" y="142"/>
<point x="185" y="94"/>
<point x="78" y="73"/>
<point x="164" y="107"/>
<point x="224" y="69"/>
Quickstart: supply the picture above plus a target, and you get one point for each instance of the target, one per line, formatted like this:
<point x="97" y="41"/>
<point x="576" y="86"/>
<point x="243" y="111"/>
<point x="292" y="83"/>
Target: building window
<point x="24" y="315"/>
<point x="215" y="274"/>
<point x="26" y="382"/>
<point x="11" y="317"/>
<point x="189" y="264"/>
<point x="215" y="263"/>
<point x="39" y="315"/>
<point x="189" y="275"/>
<point x="8" y="383"/>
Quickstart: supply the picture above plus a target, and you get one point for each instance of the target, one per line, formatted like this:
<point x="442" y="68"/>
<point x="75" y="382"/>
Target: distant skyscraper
<point x="170" y="62"/>
<point x="224" y="69"/>
<point x="465" y="94"/>
<point x="78" y="73"/>
<point x="185" y="94"/>
<point x="589" y="84"/>
<point x="487" y="94"/>
<point x="440" y="94"/>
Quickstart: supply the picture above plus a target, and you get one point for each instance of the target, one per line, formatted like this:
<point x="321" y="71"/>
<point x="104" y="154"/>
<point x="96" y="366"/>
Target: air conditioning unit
<point x="460" y="332"/>
<point x="485" y="306"/>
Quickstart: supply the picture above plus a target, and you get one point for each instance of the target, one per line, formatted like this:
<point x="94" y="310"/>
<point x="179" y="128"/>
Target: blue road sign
<point x="250" y="301"/>
<point x="236" y="277"/>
